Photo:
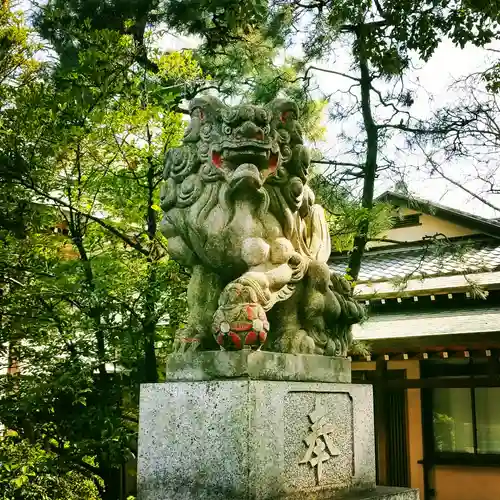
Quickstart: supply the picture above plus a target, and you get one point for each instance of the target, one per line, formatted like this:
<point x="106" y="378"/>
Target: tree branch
<point x="340" y="163"/>
<point x="388" y="240"/>
<point x="380" y="9"/>
<point x="463" y="188"/>
<point x="103" y="224"/>
<point x="316" y="68"/>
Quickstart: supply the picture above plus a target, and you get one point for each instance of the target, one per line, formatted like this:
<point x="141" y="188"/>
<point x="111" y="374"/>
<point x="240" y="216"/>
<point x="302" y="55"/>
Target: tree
<point x="344" y="214"/>
<point x="381" y="36"/>
<point x="30" y="472"/>
<point x="85" y="310"/>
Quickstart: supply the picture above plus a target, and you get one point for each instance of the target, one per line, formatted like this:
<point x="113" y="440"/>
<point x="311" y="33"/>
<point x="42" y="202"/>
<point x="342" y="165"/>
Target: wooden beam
<point x="462" y="341"/>
<point x="380" y="414"/>
<point x="443" y="382"/>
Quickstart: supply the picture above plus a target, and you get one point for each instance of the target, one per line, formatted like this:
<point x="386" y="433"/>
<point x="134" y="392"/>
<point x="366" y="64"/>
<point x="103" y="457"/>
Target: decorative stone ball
<point x="240" y="326"/>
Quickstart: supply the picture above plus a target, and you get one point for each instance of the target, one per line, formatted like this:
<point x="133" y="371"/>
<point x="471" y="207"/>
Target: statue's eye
<point x="227" y="129"/>
<point x="267" y="129"/>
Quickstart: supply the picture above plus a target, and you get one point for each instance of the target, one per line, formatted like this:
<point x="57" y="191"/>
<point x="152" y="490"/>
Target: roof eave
<point x="435" y="285"/>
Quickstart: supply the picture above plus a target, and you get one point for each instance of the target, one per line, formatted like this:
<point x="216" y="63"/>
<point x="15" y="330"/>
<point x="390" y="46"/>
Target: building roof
<point x="425" y="261"/>
<point x="490" y="227"/>
<point x="412" y="271"/>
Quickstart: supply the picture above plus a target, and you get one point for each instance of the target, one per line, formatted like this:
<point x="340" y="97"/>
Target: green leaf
<point x="20" y="481"/>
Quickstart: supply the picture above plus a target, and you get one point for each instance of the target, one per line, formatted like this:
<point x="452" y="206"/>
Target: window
<point x="466" y="420"/>
<point x="487" y="406"/>
<point x="461" y="412"/>
<point x="452" y="420"/>
<point x="407" y="221"/>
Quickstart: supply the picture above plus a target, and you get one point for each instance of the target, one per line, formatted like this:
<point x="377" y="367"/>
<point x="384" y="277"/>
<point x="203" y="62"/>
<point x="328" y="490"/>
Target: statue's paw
<point x="186" y="341"/>
<point x="297" y="343"/>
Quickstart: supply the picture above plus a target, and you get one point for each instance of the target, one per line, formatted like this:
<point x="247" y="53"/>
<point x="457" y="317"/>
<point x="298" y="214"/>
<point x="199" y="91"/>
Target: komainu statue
<point x="239" y="213"/>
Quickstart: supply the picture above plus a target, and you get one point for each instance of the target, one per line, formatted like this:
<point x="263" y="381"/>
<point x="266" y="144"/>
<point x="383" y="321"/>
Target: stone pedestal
<point x="256" y="432"/>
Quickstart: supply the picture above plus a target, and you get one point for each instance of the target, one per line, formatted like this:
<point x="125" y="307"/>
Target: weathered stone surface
<point x="244" y="440"/>
<point x="239" y="212"/>
<point x="263" y="365"/>
<point x="385" y="493"/>
<point x="378" y="493"/>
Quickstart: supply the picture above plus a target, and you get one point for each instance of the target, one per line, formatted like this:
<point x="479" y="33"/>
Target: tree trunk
<point x="112" y="484"/>
<point x="149" y="330"/>
<point x="150" y="368"/>
<point x="94" y="311"/>
<point x="370" y="168"/>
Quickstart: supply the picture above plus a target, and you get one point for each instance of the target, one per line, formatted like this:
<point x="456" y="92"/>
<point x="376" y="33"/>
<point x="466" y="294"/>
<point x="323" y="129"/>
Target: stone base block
<point x="247" y="439"/>
<point x="384" y="493"/>
<point x="378" y="493"/>
<point x="257" y="365"/>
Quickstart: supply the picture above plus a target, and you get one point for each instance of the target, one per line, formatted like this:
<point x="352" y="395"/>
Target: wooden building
<point x="433" y="294"/>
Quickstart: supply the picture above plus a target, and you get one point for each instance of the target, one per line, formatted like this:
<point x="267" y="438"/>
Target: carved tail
<point x="318" y="234"/>
<point x="314" y="235"/>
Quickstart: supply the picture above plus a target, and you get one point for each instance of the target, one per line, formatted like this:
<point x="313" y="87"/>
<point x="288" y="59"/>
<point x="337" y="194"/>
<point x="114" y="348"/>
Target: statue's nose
<point x="250" y="131"/>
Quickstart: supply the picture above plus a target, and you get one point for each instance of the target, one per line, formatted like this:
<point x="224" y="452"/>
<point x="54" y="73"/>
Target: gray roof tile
<point x="424" y="261"/>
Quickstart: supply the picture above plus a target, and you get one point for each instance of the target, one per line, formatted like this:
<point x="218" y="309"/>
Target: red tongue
<point x="217" y="159"/>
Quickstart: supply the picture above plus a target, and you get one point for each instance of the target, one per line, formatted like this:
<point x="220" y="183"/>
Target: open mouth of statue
<point x="257" y="156"/>
<point x="247" y="164"/>
<point x="261" y="156"/>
